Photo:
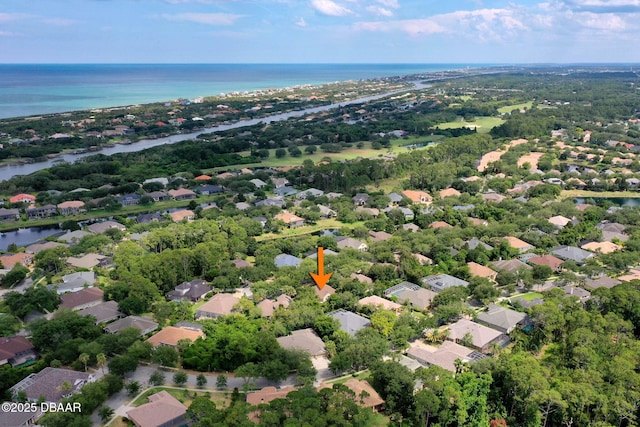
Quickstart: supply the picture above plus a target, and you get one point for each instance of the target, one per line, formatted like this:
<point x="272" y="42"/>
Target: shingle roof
<point x="83" y="296"/>
<point x="378" y="301"/>
<point x="170" y="335"/>
<point x="220" y="304"/>
<point x="103" y="312"/>
<point x="286" y="260"/>
<point x="47" y="382"/>
<point x="161" y="410"/>
<point x="481" y="335"/>
<point x="501" y="318"/>
<point x="571" y="253"/>
<point x="141" y="323"/>
<point x="548" y="260"/>
<point x="303" y="339"/>
<point x="350" y="322"/>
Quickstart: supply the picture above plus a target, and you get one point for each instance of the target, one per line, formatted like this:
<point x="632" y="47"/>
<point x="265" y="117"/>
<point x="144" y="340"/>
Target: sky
<point x="319" y="31"/>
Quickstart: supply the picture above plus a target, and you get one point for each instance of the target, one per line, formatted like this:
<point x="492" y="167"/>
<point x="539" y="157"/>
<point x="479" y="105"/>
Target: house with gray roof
<point x="271" y="201"/>
<point x="258" y="182"/>
<point x="350" y="322"/>
<point x="285" y="191"/>
<point x="144" y="324"/>
<point x="510" y="265"/>
<point x="445" y="356"/>
<point x="572" y="253"/>
<point x="104" y="312"/>
<point x="502" y="319"/>
<point x="394" y="198"/>
<point x="192" y="291"/>
<point x="47" y="384"/>
<point x="351" y="243"/>
<point x="311" y="192"/>
<point x="443" y="281"/>
<point x="360" y="199"/>
<point x="286" y="260"/>
<point x="475" y="242"/>
<point x="9" y="214"/>
<point x="574" y="291"/>
<point x="74" y="282"/>
<point x="102" y="227"/>
<point x="408" y="292"/>
<point x="601" y="282"/>
<point x="73" y="237"/>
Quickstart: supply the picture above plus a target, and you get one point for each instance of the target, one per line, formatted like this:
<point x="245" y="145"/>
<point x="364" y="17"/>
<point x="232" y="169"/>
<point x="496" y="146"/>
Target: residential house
<point x="305" y="340"/>
<point x="46" y="385"/>
<point x="145" y="325"/>
<point x="361" y="278"/>
<point x="171" y="336"/>
<point x="394" y="198"/>
<point x="286" y="260"/>
<point x="22" y="198"/>
<point x="572" y="253"/>
<point x="83" y="298"/>
<point x="268" y="306"/>
<point x="411" y="227"/>
<point x="258" y="183"/>
<point x="573" y="291"/>
<point x="267" y="394"/>
<point x="71" y="207"/>
<point x="482" y="337"/>
<point x="202" y="178"/>
<point x="182" y="194"/>
<point x="131" y="199"/>
<point x="9" y="214"/>
<point x="16" y="351"/>
<point x="182" y="215"/>
<point x="475" y="242"/>
<point x="350" y="322"/>
<point x="240" y="263"/>
<point x="218" y="305"/>
<point x="285" y="191"/>
<point x="163" y="410"/>
<point x="327" y="212"/>
<point x="440" y="224"/>
<point x="104" y="312"/>
<point x="360" y="199"/>
<point x="382" y="303"/>
<point x="365" y="395"/>
<point x="478" y="270"/>
<point x="518" y="244"/>
<point x="601" y="282"/>
<point x="291" y="220"/>
<point x="324" y="293"/>
<point x="87" y="261"/>
<point x="73" y="237"/>
<point x="271" y="201"/>
<point x="559" y="221"/>
<point x="102" y="227"/>
<point x="441" y="282"/>
<point x="242" y="206"/>
<point x="549" y="260"/>
<point x="20" y="419"/>
<point x="39" y="247"/>
<point x="10" y="260"/>
<point x="279" y="182"/>
<point x="192" y="291"/>
<point x="492" y="197"/>
<point x="351" y="243"/>
<point x="42" y="211"/>
<point x="74" y="282"/>
<point x="502" y="319"/>
<point x="418" y="196"/>
<point x="449" y="192"/>
<point x="158" y="196"/>
<point x="445" y="356"/>
<point x="207" y="190"/>
<point x="416" y="296"/>
<point x="601" y="247"/>
<point x="311" y="192"/>
<point x="510" y="265"/>
<point x="379" y="236"/>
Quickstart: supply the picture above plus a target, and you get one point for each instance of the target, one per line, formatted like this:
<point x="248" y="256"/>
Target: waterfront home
<point x="102" y="227"/>
<point x="182" y="215"/>
<point x="182" y="194"/>
<point x="291" y="220"/>
<point x="130" y="199"/>
<point x="22" y="198"/>
<point x="71" y="207"/>
<point x="9" y="214"/>
<point x="42" y="211"/>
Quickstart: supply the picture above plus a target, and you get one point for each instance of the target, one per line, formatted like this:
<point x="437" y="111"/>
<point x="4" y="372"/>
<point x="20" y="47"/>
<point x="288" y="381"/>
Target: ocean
<point x="33" y="89"/>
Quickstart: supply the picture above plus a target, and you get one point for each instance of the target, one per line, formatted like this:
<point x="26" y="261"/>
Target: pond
<point x="27" y="236"/>
<point x="617" y="201"/>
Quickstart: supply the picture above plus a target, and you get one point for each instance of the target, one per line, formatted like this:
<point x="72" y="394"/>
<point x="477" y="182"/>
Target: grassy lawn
<point x="484" y="124"/>
<point x="530" y="296"/>
<point x="360" y="376"/>
<point x="569" y="194"/>
<point x="378" y="420"/>
<point x="221" y="400"/>
<point x="509" y="108"/>
<point x="349" y="154"/>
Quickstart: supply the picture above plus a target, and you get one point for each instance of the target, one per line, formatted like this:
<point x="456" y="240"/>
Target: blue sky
<point x="319" y="31"/>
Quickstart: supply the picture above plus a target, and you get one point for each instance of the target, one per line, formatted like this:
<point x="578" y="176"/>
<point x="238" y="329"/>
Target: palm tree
<point x="102" y="360"/>
<point x="84" y="358"/>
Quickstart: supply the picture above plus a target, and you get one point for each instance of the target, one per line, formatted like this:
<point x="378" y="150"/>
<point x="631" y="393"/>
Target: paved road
<point x="120" y="401"/>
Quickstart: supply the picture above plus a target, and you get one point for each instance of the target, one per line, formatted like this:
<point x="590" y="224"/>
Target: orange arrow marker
<point x="321" y="278"/>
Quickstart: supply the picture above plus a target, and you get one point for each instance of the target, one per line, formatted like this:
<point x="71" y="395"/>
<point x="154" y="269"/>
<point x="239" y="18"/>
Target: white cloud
<point x="7" y="17"/>
<point x="204" y="18"/>
<point x="379" y="11"/>
<point x="389" y="3"/>
<point x="601" y="21"/>
<point x="301" y="23"/>
<point x="330" y="8"/>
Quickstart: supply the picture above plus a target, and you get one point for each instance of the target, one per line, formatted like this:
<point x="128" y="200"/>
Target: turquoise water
<point x="27" y="89"/>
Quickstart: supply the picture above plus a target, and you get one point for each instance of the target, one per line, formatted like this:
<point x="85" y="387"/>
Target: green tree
<point x="221" y="381"/>
<point x="165" y="355"/>
<point x="201" y="380"/>
<point x="105" y="413"/>
<point x="180" y="379"/>
<point x="133" y="388"/>
<point x="157" y="378"/>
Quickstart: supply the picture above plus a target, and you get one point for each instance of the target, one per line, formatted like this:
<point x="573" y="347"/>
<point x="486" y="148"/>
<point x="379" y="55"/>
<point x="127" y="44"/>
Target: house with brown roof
<point x="290" y="219"/>
<point x="102" y="227"/>
<point x="549" y="260"/>
<point x="601" y="282"/>
<point x="478" y="270"/>
<point x="418" y="196"/>
<point x="324" y="293"/>
<point x="379" y="236"/>
<point x="182" y="215"/>
<point x="440" y="224"/>
<point x="559" y="221"/>
<point x="444" y="356"/>
<point x="267" y="394"/>
<point x="171" y="335"/>
<point x="305" y="340"/>
<point x="366" y="396"/>
<point x="202" y="178"/>
<point x="10" y="260"/>
<point x="449" y="192"/>
<point x="16" y="351"/>
<point x="510" y="265"/>
<point x="39" y="247"/>
<point x="87" y="261"/>
<point x="182" y="194"/>
<point x="218" y="305"/>
<point x="104" y="312"/>
<point x="268" y="306"/>
<point x="518" y="244"/>
<point x="381" y="303"/>
<point x="601" y="247"/>
<point x="84" y="298"/>
<point x="71" y="207"/>
<point x="163" y="410"/>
